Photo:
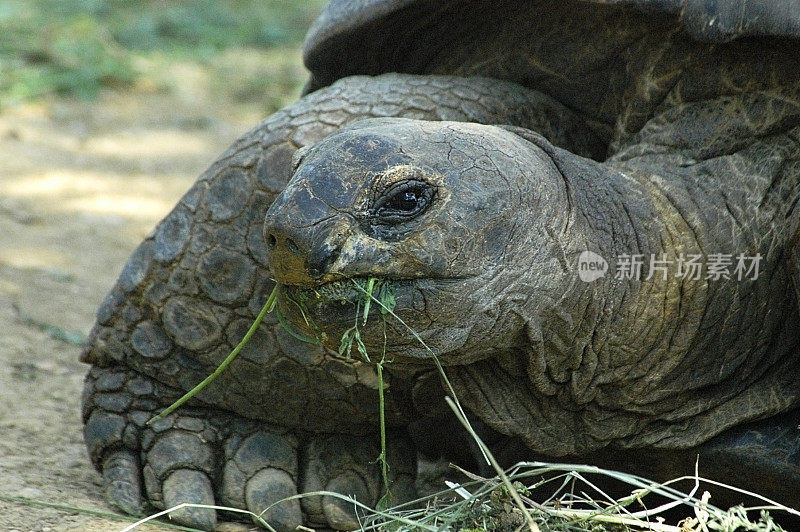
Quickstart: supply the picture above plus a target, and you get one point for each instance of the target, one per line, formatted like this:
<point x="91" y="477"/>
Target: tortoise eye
<point x="403" y="201"/>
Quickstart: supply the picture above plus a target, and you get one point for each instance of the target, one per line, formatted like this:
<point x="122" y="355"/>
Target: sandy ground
<point x="81" y="183"/>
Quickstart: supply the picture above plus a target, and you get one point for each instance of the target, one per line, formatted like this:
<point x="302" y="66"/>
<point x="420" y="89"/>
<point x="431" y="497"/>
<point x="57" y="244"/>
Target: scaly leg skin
<point x="286" y="417"/>
<point x="208" y="456"/>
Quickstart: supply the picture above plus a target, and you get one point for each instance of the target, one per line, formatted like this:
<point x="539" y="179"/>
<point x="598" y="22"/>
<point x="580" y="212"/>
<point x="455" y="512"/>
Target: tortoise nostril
<point x="303" y="256"/>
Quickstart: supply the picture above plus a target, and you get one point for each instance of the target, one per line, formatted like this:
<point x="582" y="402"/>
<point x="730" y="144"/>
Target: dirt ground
<point x="81" y="183"/>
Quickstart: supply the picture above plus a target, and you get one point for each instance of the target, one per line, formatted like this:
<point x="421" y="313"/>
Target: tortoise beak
<point x="304" y="236"/>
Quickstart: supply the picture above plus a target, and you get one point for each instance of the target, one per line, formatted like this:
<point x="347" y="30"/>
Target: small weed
<point x="383" y="293"/>
<point x="77" y="510"/>
<point x="385" y="297"/>
<point x="53" y="331"/>
<point x="372" y="288"/>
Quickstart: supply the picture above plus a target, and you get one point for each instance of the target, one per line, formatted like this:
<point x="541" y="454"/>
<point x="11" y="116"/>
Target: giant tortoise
<point x="586" y="211"/>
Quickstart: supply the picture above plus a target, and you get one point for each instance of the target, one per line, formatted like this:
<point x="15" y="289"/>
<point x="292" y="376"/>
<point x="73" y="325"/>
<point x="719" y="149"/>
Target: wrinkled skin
<point x="479" y="227"/>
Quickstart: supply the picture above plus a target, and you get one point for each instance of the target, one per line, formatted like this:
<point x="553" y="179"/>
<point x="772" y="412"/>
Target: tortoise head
<point x="440" y="213"/>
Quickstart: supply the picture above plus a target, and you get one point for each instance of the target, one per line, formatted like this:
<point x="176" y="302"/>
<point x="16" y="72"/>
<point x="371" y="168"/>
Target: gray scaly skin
<point x="569" y="367"/>
<point x="190" y="291"/>
<point x="660" y="145"/>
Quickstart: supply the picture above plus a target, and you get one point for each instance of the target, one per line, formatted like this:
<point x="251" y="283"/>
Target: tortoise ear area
<point x="557" y="155"/>
<point x="298" y="156"/>
<point x="531" y="136"/>
<point x="586" y="144"/>
<point x="568" y="164"/>
<point x="564" y="159"/>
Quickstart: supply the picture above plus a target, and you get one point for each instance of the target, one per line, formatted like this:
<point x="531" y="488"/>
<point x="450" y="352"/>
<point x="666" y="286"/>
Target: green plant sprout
<point x="387" y="302"/>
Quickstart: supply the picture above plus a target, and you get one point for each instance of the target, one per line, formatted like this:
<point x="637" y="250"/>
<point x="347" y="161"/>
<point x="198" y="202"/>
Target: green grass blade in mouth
<point x="386" y="297"/>
<point x="368" y="298"/>
<point x="294" y="332"/>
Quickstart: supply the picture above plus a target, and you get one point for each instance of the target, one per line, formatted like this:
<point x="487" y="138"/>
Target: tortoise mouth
<point x="332" y="312"/>
<point x="340" y="300"/>
<point x="344" y="290"/>
<point x="334" y="301"/>
<point x="326" y="312"/>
